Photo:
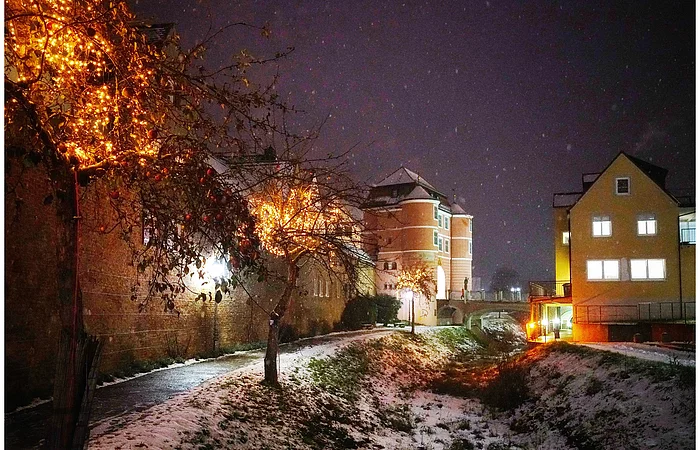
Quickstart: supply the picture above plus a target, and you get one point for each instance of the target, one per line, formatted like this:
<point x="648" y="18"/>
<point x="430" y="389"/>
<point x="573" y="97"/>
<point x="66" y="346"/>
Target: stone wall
<point x="131" y="331"/>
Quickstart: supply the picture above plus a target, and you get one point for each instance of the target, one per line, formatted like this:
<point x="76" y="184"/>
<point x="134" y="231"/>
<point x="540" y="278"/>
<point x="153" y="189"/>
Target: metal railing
<point x="641" y="312"/>
<point x="550" y="289"/>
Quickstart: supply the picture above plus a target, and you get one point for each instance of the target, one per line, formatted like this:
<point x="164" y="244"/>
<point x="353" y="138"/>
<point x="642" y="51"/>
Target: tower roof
<point x="403" y="175"/>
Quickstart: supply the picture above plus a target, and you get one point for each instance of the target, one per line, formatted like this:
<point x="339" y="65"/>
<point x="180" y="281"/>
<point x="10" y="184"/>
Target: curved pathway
<point x="26" y="429"/>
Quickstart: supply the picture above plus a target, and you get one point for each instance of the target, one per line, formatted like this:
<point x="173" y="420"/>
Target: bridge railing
<point x="549" y="289"/>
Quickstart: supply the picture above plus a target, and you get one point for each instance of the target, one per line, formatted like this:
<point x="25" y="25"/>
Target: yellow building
<point x="410" y="222"/>
<point x="624" y="260"/>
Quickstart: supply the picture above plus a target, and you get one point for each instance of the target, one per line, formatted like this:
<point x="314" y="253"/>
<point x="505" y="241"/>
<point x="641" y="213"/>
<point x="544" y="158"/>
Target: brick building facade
<point x="414" y="223"/>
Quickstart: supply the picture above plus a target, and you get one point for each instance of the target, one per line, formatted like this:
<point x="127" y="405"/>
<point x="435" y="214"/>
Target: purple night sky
<point x="498" y="103"/>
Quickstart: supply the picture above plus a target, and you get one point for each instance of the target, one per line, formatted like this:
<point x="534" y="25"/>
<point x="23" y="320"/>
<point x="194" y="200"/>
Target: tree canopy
<point x="94" y="93"/>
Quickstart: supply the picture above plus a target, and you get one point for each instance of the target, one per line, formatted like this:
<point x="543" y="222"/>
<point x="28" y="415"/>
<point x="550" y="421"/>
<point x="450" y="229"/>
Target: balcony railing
<point x="549" y="289"/>
<point x="641" y="312"/>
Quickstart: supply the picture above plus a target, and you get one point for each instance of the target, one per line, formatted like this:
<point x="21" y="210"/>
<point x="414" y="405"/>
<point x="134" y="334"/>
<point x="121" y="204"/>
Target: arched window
<point x="440" y="283"/>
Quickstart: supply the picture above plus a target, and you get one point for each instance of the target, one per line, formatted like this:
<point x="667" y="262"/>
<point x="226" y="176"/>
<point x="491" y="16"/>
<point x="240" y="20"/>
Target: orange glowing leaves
<point x="79" y="63"/>
<point x="293" y="219"/>
<point x="418" y="278"/>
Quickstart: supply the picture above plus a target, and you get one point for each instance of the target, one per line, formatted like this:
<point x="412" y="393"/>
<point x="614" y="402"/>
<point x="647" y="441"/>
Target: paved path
<point x="26" y="429"/>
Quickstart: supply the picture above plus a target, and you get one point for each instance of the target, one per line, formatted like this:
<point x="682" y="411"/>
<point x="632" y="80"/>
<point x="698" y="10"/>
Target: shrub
<point x="359" y="311"/>
<point x="387" y="308"/>
<point x="509" y="388"/>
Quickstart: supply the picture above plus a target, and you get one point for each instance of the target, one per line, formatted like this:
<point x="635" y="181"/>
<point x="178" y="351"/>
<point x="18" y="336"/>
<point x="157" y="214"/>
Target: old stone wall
<point x="131" y="329"/>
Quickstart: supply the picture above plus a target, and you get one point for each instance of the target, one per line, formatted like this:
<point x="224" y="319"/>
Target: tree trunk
<point x="413" y="313"/>
<point x="271" y="352"/>
<point x="70" y="383"/>
<point x="276" y="316"/>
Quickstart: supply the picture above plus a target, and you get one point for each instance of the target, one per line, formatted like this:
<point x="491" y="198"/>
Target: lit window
<point x="440" y="244"/>
<point x="602" y="226"/>
<point x="622" y="186"/>
<point x="447" y="246"/>
<point x="565" y="237"/>
<point x="687" y="229"/>
<point x="646" y="225"/>
<point x="435" y="237"/>
<point x="648" y="269"/>
<point x="606" y="269"/>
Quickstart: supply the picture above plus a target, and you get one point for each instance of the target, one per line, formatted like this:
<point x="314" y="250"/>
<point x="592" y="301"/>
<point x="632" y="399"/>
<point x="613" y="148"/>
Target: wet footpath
<point x="27" y="428"/>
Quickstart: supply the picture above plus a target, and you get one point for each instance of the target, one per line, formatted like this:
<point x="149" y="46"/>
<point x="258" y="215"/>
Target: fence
<point x="552" y="289"/>
<point x="641" y="312"/>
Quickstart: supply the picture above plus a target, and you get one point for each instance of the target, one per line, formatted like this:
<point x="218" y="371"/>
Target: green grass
<point x="342" y="373"/>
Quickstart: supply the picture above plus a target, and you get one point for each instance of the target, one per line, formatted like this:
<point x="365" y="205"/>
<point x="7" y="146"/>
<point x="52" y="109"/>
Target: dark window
<point x="622" y="186"/>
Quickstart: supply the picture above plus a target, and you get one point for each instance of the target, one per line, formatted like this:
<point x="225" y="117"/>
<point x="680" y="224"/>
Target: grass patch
<point x="656" y="371"/>
<point x="342" y="373"/>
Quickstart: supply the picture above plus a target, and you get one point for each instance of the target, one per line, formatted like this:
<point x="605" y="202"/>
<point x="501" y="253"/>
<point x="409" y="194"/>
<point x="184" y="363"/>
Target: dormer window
<point x="622" y="186"/>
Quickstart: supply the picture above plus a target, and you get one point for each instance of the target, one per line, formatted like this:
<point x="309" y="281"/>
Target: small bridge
<point x="454" y="312"/>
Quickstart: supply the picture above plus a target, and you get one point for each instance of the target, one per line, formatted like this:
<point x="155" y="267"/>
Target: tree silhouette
<point x="305" y="217"/>
<point x="94" y="95"/>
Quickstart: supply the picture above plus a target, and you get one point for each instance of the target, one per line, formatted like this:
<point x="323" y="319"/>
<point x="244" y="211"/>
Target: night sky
<point x="497" y="103"/>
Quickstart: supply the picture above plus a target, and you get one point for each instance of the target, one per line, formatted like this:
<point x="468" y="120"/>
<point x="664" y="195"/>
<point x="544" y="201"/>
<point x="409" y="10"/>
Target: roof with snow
<point x="418" y="193"/>
<point x="404" y="184"/>
<point x="404" y="176"/>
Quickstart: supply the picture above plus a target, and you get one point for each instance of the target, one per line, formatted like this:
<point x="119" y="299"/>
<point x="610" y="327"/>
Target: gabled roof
<point x="404" y="176"/>
<point x="655" y="173"/>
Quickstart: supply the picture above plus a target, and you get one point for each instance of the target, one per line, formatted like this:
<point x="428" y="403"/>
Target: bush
<point x="359" y="311"/>
<point x="387" y="308"/>
<point x="509" y="389"/>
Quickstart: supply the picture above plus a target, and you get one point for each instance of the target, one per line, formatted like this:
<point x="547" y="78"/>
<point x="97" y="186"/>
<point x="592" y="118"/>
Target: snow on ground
<point x="578" y="398"/>
<point x="235" y="411"/>
<point x="647" y="351"/>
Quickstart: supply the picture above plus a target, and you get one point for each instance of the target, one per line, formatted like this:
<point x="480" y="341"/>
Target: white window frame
<point x="435" y="212"/>
<point x="643" y="225"/>
<point x="439" y="220"/>
<point x="447" y="246"/>
<point x="605" y="267"/>
<point x="617" y="186"/>
<point x="634" y="275"/>
<point x="566" y="238"/>
<point x="435" y="238"/>
<point x="470" y="247"/>
<point x="598" y="226"/>
<point x="471" y="221"/>
<point x="446" y="223"/>
<point x="440" y="243"/>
